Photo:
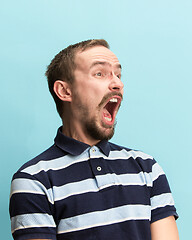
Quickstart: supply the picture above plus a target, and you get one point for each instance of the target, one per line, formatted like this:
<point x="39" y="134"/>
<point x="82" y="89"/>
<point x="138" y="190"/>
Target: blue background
<point x="153" y="40"/>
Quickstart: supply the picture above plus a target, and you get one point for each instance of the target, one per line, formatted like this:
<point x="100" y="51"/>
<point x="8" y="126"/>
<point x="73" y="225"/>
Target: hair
<point x="63" y="65"/>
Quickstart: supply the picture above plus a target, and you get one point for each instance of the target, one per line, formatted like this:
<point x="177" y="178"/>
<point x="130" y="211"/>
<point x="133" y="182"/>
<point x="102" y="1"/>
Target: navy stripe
<point x="34" y="233"/>
<point x="161" y="181"/>
<point x="107" y="198"/>
<point x="28" y="206"/>
<point x="163" y="212"/>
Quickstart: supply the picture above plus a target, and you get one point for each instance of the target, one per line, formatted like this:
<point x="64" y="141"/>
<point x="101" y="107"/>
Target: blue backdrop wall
<point x="153" y="42"/>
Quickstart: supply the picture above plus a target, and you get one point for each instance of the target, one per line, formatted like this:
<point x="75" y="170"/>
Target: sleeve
<point x="31" y="209"/>
<point x="162" y="203"/>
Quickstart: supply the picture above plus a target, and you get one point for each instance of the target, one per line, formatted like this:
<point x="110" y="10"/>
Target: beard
<point x="98" y="133"/>
<point x="93" y="126"/>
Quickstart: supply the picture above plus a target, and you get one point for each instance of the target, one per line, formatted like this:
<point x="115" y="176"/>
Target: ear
<point x="63" y="90"/>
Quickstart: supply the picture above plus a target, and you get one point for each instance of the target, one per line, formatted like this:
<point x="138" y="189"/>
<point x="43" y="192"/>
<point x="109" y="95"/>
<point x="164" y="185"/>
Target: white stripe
<point x="68" y="160"/>
<point x="124" y="154"/>
<point x="70" y="189"/>
<point x="31" y="220"/>
<point x="139" y="179"/>
<point x="106" y="217"/>
<point x="156" y="171"/>
<point x="56" y="164"/>
<point x="101" y="182"/>
<point x="23" y="185"/>
<point x="162" y="200"/>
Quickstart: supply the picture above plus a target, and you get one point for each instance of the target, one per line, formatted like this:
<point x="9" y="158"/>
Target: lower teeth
<point x="108" y="119"/>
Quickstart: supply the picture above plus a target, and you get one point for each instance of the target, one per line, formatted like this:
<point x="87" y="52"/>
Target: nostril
<point x="115" y="84"/>
<point x="116" y="88"/>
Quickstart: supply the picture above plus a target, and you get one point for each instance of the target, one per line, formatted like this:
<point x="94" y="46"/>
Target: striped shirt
<point x="76" y="191"/>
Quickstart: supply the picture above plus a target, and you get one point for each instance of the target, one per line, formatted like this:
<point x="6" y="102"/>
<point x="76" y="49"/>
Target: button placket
<point x="103" y="177"/>
<point x="95" y="161"/>
<point x="93" y="152"/>
<point x="99" y="168"/>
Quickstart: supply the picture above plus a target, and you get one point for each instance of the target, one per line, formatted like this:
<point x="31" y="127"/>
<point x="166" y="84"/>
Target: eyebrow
<point x="118" y="65"/>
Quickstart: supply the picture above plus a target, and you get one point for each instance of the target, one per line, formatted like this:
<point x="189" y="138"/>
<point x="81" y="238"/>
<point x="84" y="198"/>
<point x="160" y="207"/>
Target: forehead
<point x="94" y="54"/>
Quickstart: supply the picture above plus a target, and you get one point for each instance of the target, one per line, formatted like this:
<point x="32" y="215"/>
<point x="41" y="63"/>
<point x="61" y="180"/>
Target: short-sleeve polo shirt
<point x="76" y="191"/>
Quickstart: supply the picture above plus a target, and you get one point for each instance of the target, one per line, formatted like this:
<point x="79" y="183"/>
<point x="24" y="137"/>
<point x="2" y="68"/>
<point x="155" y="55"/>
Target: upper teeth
<point x="113" y="100"/>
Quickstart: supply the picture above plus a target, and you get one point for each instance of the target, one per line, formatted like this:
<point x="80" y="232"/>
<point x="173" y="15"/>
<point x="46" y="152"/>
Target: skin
<point x="92" y="82"/>
<point x="164" y="229"/>
<point x="97" y="75"/>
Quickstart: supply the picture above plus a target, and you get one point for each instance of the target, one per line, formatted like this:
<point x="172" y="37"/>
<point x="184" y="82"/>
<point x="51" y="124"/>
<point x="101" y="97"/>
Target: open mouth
<point x="110" y="109"/>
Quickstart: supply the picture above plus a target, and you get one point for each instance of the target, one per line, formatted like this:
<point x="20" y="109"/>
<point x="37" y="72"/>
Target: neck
<point x="74" y="130"/>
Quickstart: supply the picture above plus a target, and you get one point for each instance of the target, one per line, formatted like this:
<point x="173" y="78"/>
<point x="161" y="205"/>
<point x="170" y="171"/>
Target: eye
<point x="98" y="74"/>
<point x="119" y="76"/>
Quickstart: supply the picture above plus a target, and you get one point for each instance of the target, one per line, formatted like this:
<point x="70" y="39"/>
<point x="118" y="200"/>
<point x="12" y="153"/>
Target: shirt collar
<point x="75" y="147"/>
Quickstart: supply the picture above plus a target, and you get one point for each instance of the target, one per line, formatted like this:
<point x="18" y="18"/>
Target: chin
<point x="101" y="133"/>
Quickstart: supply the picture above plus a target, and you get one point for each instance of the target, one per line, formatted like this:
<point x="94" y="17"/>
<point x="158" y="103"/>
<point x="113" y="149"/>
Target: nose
<point x="116" y="84"/>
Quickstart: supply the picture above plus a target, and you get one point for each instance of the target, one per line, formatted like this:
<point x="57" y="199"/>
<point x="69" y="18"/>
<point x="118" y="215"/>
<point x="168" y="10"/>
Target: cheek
<point x="91" y="92"/>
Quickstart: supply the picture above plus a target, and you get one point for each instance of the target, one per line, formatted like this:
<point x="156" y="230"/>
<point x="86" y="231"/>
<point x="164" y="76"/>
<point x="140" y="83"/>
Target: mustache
<point x="109" y="95"/>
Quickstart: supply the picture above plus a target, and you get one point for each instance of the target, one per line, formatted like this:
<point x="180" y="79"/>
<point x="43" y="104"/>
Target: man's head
<point x="63" y="65"/>
<point x="89" y="85"/>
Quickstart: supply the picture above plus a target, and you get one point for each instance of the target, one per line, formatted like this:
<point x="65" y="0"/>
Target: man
<point x="84" y="187"/>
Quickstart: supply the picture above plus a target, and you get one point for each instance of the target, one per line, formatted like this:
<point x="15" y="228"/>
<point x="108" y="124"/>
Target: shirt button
<point x="99" y="168"/>
<point x="93" y="150"/>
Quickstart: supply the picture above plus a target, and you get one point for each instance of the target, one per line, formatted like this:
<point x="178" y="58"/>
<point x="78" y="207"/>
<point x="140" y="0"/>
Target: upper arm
<point x="164" y="229"/>
<point x="31" y="209"/>
<point x="162" y="202"/>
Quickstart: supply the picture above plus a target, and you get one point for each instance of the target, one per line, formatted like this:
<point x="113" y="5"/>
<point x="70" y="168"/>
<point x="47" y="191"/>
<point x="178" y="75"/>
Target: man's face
<point x="97" y="92"/>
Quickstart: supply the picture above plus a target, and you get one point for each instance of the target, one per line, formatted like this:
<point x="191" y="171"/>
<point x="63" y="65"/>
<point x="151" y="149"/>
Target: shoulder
<point x="43" y="160"/>
<point x="128" y="152"/>
<point x="144" y="160"/>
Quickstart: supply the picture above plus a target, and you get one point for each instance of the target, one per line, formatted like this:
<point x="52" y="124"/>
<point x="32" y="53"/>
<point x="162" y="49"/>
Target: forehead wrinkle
<point x="95" y="63"/>
<point x="105" y="63"/>
<point x="88" y="59"/>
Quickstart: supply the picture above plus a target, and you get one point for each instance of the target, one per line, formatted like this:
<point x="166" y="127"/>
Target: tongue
<point x="106" y="113"/>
